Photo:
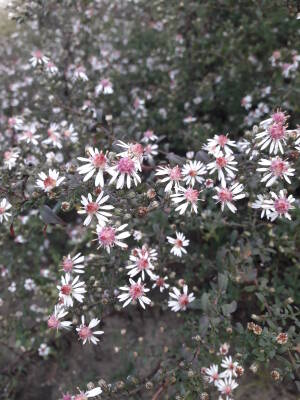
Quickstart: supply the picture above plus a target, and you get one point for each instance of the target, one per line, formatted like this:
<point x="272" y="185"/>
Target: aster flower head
<point x="179" y="301"/>
<point x="38" y="58"/>
<point x="123" y="172"/>
<point x="226" y="196"/>
<point x="134" y="151"/>
<point x="86" y="333"/>
<point x="160" y="282"/>
<point x="141" y="263"/>
<point x="274" y="169"/>
<point x="192" y="172"/>
<point x="68" y="132"/>
<point x="4" y="207"/>
<point x="95" y="208"/>
<point x="134" y="292"/>
<point x="226" y="386"/>
<point x="88" y="394"/>
<point x="273" y="136"/>
<point x="108" y="236"/>
<point x="278" y="117"/>
<point x="179" y="243"/>
<point x="219" y="143"/>
<point x="105" y="86"/>
<point x="54" y="136"/>
<point x="51" y="68"/>
<point x="54" y="321"/>
<point x="212" y="374"/>
<point x="150" y="151"/>
<point x="230" y="367"/>
<point x="224" y="165"/>
<point x="264" y="203"/>
<point x="50" y="181"/>
<point x="173" y="177"/>
<point x="187" y="197"/>
<point x="71" y="289"/>
<point x="73" y="264"/>
<point x="281" y="205"/>
<point x="29" y="135"/>
<point x="79" y="74"/>
<point x="95" y="164"/>
<point x="149" y="136"/>
<point x="10" y="157"/>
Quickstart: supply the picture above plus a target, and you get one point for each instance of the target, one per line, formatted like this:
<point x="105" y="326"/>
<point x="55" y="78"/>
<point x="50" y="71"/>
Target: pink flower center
<point x="107" y="236"/>
<point x="277" y="131"/>
<point x="160" y="282"/>
<point x="28" y="134"/>
<point x="191" y="195"/>
<point x="175" y="173"/>
<point x="221" y="162"/>
<point x="105" y="83"/>
<point x="227" y="390"/>
<point x="66" y="289"/>
<point x="143" y="263"/>
<point x="222" y="140"/>
<point x="192" y="173"/>
<point x="38" y="54"/>
<point x="215" y="376"/>
<point x="67" y="264"/>
<point x="279" y="117"/>
<point x="136" y="291"/>
<point x="183" y="300"/>
<point x="2" y="210"/>
<point x="85" y="332"/>
<point x="148" y="134"/>
<point x="278" y="167"/>
<point x="92" y="207"/>
<point x="99" y="160"/>
<point x="49" y="182"/>
<point x="81" y="396"/>
<point x="225" y="195"/>
<point x="281" y="206"/>
<point x="137" y="149"/>
<point x="148" y="149"/>
<point x="53" y="322"/>
<point x="178" y="243"/>
<point x="126" y="166"/>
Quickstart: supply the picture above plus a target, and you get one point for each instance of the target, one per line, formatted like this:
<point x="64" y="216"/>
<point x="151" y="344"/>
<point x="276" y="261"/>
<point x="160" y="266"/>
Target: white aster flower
<point x="223" y="164"/>
<point x="135" y="292"/>
<point x="230" y="367"/>
<point x="226" y="196"/>
<point x="263" y="203"/>
<point x="54" y="137"/>
<point x="150" y="151"/>
<point x="179" y="244"/>
<point x="187" y="197"/>
<point x="226" y="387"/>
<point x="96" y="163"/>
<point x="105" y="86"/>
<point x="29" y="135"/>
<point x="192" y="172"/>
<point x="212" y="374"/>
<point x="281" y="206"/>
<point x="71" y="289"/>
<point x="275" y="168"/>
<point x="95" y="208"/>
<point x="86" y="333"/>
<point x="50" y="181"/>
<point x="38" y="58"/>
<point x="109" y="236"/>
<point x="134" y="151"/>
<point x="123" y="172"/>
<point x="149" y="136"/>
<point x="160" y="282"/>
<point x="10" y="157"/>
<point x="44" y="350"/>
<point x="73" y="264"/>
<point x="141" y="262"/>
<point x="219" y="143"/>
<point x="54" y="321"/>
<point x="179" y="301"/>
<point x="173" y="177"/>
<point x="4" y="206"/>
<point x="88" y="394"/>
